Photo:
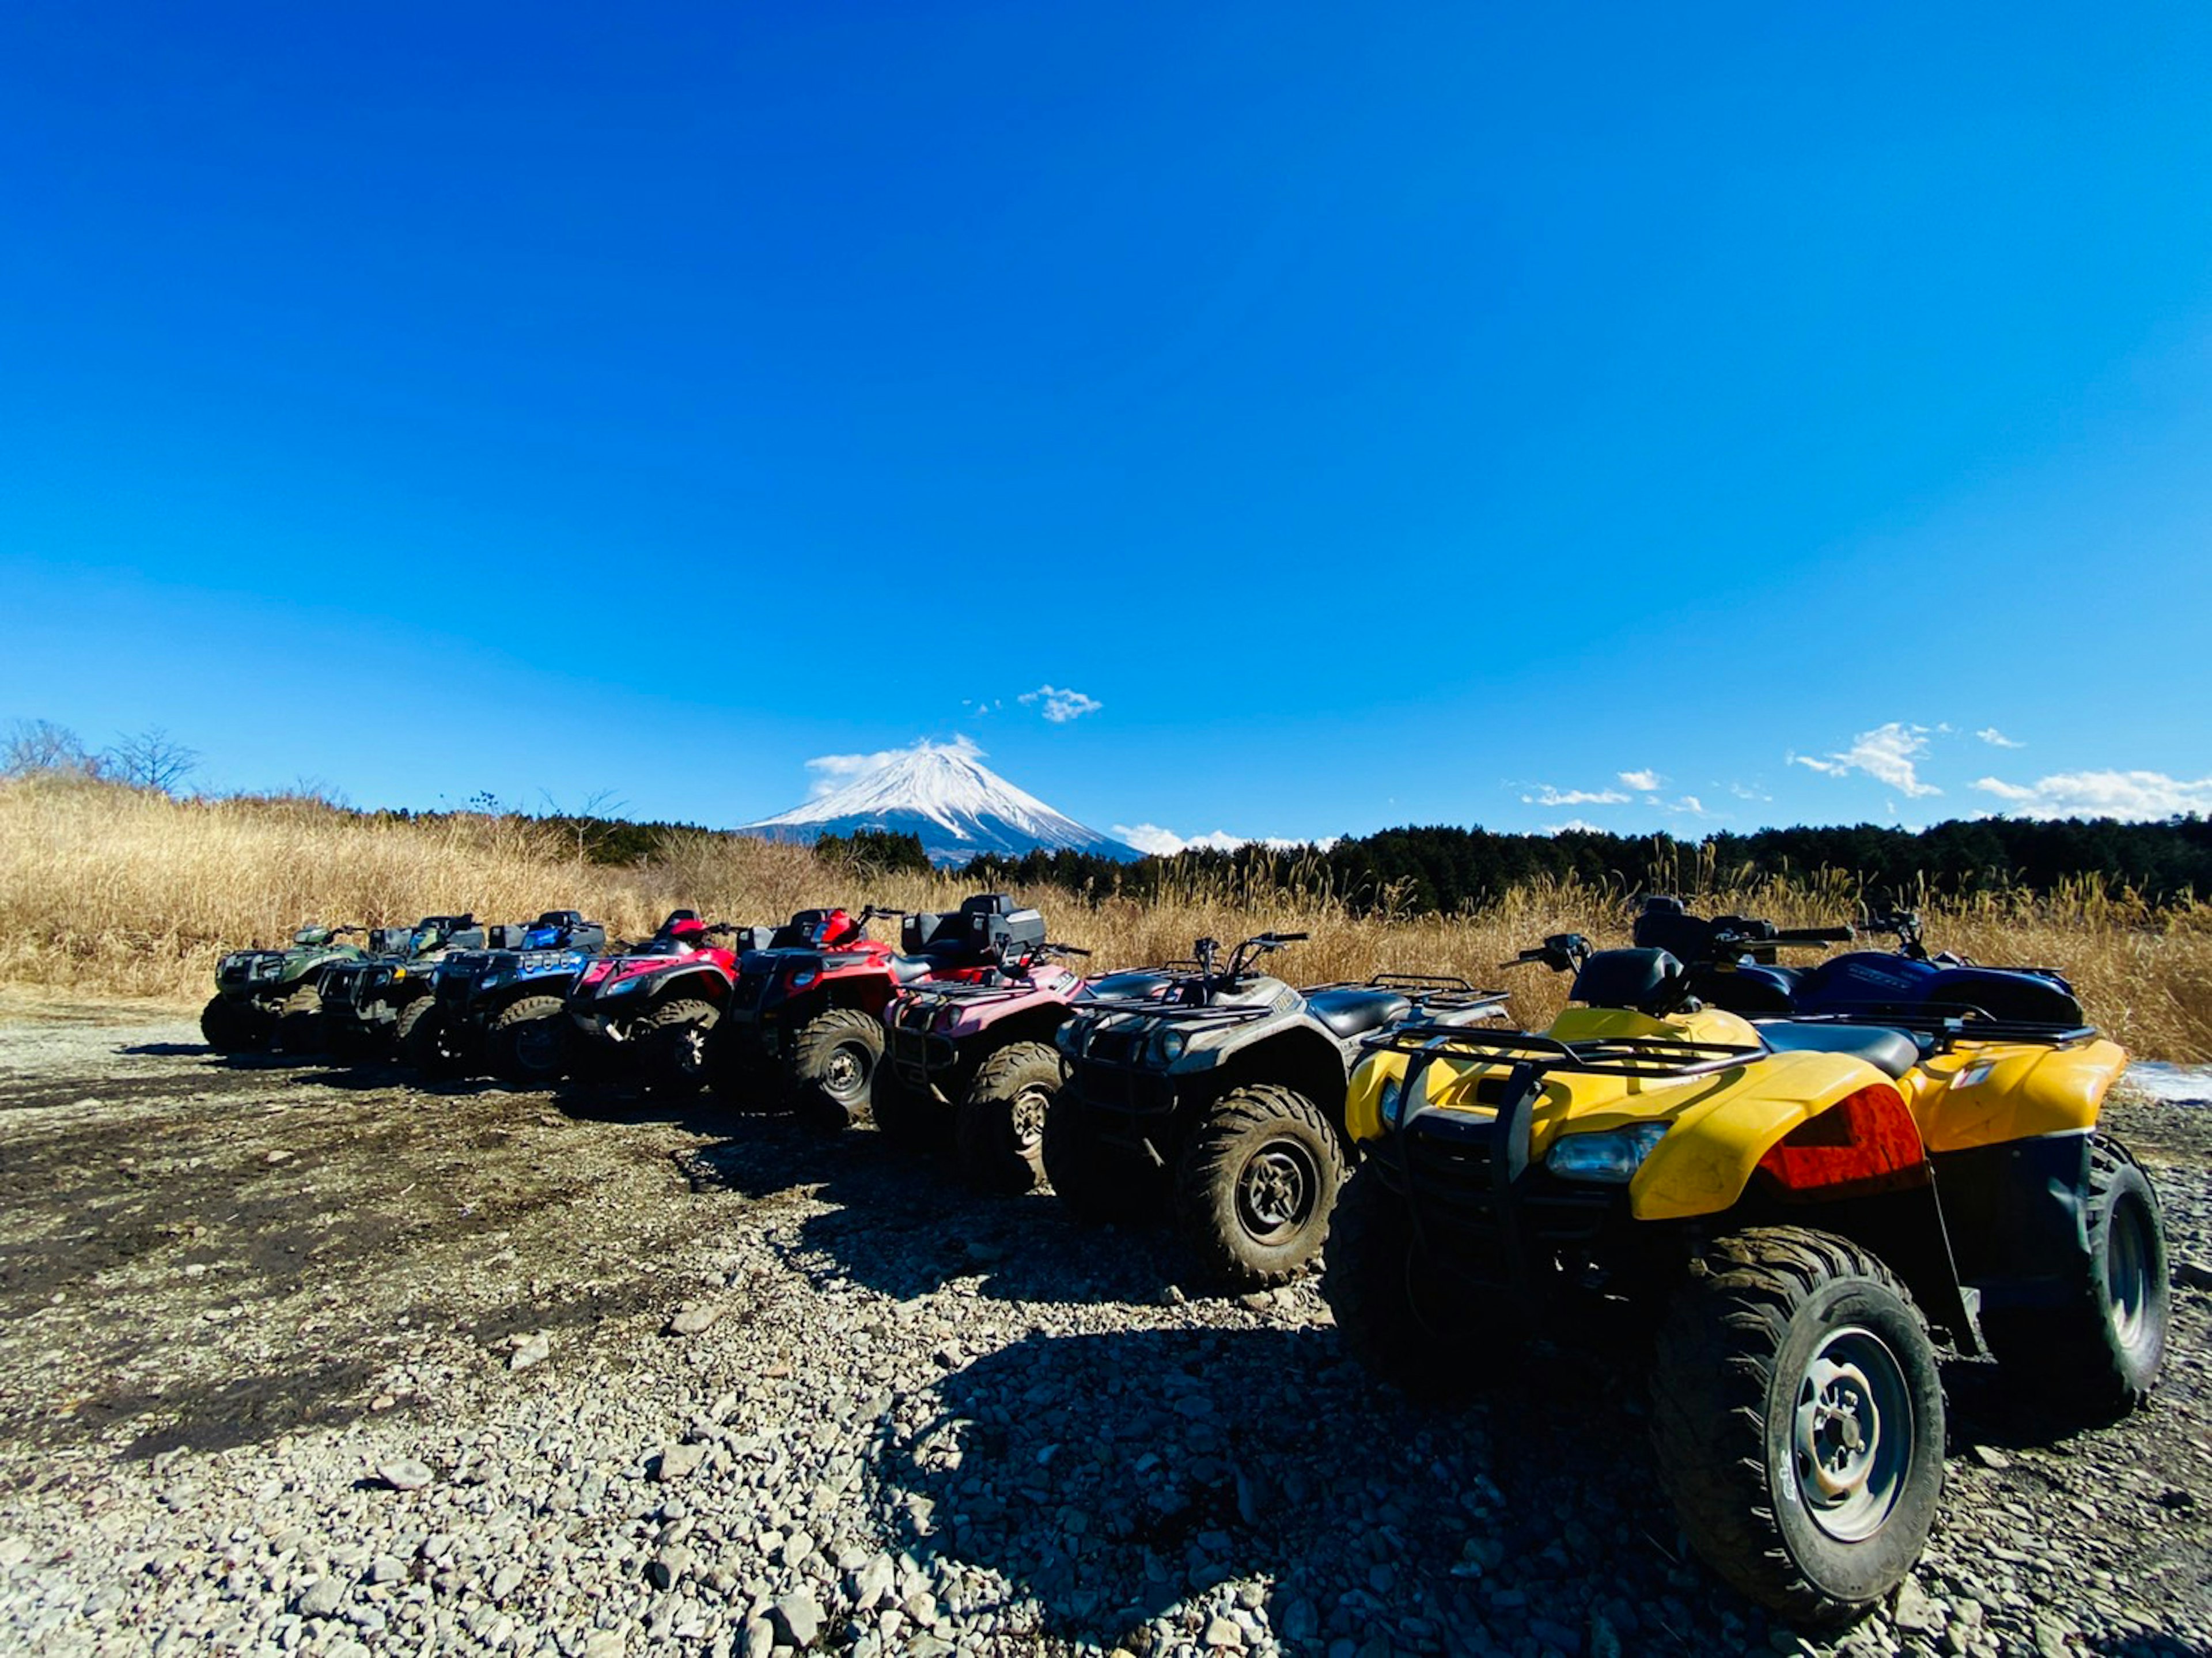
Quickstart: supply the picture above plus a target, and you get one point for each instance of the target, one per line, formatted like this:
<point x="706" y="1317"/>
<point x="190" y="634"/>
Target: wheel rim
<point x="844" y="1072"/>
<point x="1275" y="1190"/>
<point x="689" y="1050"/>
<point x="2127" y="1275"/>
<point x="1025" y="1120"/>
<point x="534" y="1046"/>
<point x="1851" y="1435"/>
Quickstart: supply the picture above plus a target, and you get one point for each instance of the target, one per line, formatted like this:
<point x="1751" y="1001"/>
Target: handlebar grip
<point x="1815" y="935"/>
<point x="1290" y="937"/>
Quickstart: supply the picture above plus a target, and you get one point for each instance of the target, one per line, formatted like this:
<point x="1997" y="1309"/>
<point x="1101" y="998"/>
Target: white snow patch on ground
<point x="2172" y="1085"/>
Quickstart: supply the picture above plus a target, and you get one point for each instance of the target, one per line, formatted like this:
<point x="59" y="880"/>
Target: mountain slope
<point x="957" y="806"/>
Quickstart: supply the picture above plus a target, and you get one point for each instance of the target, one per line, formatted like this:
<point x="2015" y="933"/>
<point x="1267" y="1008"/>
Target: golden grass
<point x="108" y="891"/>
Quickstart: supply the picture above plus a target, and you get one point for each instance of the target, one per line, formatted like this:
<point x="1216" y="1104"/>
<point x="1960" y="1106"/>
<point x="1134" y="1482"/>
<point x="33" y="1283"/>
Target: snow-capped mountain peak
<point x="943" y="792"/>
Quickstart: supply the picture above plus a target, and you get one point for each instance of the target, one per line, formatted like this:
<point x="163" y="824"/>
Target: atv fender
<point x="1987" y="1094"/>
<point x="691" y="984"/>
<point x="1708" y="1155"/>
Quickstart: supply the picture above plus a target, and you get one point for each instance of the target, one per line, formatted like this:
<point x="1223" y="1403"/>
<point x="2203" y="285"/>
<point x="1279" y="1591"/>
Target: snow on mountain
<point x="944" y="793"/>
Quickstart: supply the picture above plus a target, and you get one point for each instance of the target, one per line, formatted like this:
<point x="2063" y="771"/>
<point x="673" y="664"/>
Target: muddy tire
<point x="431" y="1042"/>
<point x="230" y="1025"/>
<point x="1401" y="1315"/>
<point x="1797" y="1420"/>
<point x="2096" y="1355"/>
<point x="1000" y="1130"/>
<point x="832" y="1070"/>
<point x="528" y="1043"/>
<point x="914" y="1118"/>
<point x="299" y="1023"/>
<point x="1257" y="1184"/>
<point x="1099" y="1180"/>
<point x="672" y="1043"/>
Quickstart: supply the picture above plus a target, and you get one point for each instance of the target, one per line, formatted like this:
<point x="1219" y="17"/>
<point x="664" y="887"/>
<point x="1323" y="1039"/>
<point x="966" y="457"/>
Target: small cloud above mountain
<point x="1060" y="706"/>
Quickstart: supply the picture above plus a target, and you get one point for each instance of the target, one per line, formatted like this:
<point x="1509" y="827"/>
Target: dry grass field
<point x="113" y="892"/>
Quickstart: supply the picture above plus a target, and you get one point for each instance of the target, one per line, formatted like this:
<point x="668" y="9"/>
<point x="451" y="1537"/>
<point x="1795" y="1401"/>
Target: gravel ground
<point x="308" y="1360"/>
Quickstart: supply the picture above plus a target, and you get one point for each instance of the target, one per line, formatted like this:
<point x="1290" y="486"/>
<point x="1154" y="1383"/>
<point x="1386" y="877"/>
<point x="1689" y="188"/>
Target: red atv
<point x="647" y="1012"/>
<point x="804" y="1028"/>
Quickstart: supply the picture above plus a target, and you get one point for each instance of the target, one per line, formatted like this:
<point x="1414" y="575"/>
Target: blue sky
<point x="1337" y="417"/>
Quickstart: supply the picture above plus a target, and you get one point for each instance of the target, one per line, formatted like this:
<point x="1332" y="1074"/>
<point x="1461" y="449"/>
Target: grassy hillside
<point x="106" y="890"/>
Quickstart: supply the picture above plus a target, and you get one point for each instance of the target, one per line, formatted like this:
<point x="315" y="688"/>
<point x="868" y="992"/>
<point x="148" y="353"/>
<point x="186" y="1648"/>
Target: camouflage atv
<point x="369" y="1006"/>
<point x="269" y="995"/>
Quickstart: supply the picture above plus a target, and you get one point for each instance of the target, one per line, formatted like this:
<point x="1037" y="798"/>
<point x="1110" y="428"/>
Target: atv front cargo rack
<point x="1604" y="1056"/>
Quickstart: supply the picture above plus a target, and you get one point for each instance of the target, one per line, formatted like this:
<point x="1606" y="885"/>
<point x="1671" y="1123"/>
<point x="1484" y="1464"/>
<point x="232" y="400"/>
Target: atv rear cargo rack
<point x="1941" y="1025"/>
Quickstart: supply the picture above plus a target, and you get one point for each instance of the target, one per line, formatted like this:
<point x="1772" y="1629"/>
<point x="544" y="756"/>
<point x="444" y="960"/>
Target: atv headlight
<point x="804" y="977"/>
<point x="1393" y="1096"/>
<point x="620" y="987"/>
<point x="268" y="967"/>
<point x="1168" y="1045"/>
<point x="1611" y="1157"/>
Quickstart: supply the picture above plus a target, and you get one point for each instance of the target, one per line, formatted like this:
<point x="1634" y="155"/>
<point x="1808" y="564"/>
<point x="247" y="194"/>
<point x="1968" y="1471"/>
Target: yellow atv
<point x="1807" y="1205"/>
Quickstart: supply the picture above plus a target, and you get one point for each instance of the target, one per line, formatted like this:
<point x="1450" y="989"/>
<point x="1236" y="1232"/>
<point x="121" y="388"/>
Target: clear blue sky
<point x="1419" y="414"/>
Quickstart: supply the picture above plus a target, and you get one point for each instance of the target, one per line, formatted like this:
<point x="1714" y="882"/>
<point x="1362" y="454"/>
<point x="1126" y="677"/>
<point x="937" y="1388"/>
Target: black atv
<point x="504" y="1009"/>
<point x="1225" y="1092"/>
<point x="370" y="1006"/>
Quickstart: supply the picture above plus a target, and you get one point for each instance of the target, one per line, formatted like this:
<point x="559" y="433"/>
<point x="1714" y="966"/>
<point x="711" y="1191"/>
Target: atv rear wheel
<point x="1397" y="1312"/>
<point x="834" y="1056"/>
<point x="231" y="1026"/>
<point x="914" y="1117"/>
<point x="1000" y="1127"/>
<point x="1099" y="1180"/>
<point x="528" y="1043"/>
<point x="672" y="1044"/>
<point x="299" y="1023"/>
<point x="2096" y="1355"/>
<point x="1797" y="1417"/>
<point x="1256" y="1184"/>
<point x="430" y="1042"/>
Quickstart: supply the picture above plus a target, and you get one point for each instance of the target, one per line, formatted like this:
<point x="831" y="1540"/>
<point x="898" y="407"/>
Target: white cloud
<point x="1545" y="795"/>
<point x="1997" y="739"/>
<point x="1886" y="754"/>
<point x="2131" y="796"/>
<point x="1573" y="826"/>
<point x="1642" y="781"/>
<point x="832" y="771"/>
<point x="1165" y="843"/>
<point x="1747" y="791"/>
<point x="1689" y="804"/>
<point x="1061" y="705"/>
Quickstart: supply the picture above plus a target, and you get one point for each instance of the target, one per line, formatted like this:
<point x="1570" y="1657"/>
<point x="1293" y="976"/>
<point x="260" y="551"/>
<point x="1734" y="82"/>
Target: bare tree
<point x="151" y="760"/>
<point x="35" y="748"/>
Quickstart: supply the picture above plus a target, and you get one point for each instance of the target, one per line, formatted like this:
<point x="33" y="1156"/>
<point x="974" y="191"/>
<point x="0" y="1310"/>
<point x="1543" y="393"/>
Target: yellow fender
<point x="1990" y="1093"/>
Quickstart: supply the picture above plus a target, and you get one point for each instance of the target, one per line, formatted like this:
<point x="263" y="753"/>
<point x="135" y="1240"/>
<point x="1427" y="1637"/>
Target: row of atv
<point x="1801" y="1185"/>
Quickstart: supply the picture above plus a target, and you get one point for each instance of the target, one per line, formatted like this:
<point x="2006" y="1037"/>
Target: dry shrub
<point x="110" y="892"/>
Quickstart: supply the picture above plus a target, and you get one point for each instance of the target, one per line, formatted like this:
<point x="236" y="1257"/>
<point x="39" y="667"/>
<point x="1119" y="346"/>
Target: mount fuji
<point x="943" y="794"/>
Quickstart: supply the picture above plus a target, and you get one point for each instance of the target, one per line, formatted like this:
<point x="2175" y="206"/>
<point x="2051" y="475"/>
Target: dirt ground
<point x="217" y="1265"/>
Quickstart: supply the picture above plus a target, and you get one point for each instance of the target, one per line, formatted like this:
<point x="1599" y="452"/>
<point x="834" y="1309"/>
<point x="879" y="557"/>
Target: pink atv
<point x="975" y="1062"/>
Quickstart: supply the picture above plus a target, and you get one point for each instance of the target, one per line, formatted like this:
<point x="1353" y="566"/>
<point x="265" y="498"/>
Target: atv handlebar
<point x="1062" y="949"/>
<point x="1563" y="952"/>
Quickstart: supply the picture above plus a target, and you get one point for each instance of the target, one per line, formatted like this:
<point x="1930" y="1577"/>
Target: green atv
<point x="370" y="1004"/>
<point x="265" y="996"/>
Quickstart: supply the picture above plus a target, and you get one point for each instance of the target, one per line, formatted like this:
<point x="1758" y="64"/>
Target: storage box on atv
<point x="985" y="928"/>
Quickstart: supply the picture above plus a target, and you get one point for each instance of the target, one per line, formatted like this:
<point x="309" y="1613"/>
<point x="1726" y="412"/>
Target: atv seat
<point x="1356" y="1011"/>
<point x="1892" y="1053"/>
<point x="912" y="969"/>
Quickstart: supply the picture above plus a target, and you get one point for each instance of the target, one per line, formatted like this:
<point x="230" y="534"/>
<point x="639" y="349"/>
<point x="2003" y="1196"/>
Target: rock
<point x="871" y="1584"/>
<point x="322" y="1598"/>
<point x="279" y="1155"/>
<point x="798" y="1618"/>
<point x="604" y="1643"/>
<point x="385" y="1569"/>
<point x="1220" y="1632"/>
<point x="692" y="1321"/>
<point x="667" y="1568"/>
<point x="508" y="1580"/>
<point x="14" y="1551"/>
<point x="1914" y="1613"/>
<point x="405" y="1474"/>
<point x="2193" y="1274"/>
<point x="529" y="1351"/>
<point x="1990" y="1457"/>
<point x="679" y="1462"/>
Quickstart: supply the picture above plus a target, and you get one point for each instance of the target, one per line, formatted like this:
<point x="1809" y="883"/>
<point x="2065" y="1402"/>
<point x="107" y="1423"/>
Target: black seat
<point x="912" y="969"/>
<point x="1354" y="1012"/>
<point x="1892" y="1053"/>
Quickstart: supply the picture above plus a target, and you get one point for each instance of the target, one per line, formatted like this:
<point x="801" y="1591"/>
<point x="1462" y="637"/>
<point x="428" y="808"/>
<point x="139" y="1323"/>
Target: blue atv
<point x="504" y="1010"/>
<point x="1733" y="962"/>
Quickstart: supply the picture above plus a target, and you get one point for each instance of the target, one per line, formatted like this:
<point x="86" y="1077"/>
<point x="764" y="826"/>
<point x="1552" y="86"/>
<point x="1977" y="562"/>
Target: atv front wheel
<point x="2096" y="1354"/>
<point x="1257" y="1182"/>
<point x="231" y="1026"/>
<point x="1797" y="1417"/>
<point x="1001" y="1127"/>
<point x="430" y="1042"/>
<point x="1397" y="1312"/>
<point x="528" y="1043"/>
<point x="299" y="1023"/>
<point x="672" y="1044"/>
<point x="1099" y="1180"/>
<point x="832" y="1071"/>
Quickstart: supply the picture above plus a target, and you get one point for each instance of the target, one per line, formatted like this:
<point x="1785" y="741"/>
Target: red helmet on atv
<point x="837" y="927"/>
<point x="691" y="930"/>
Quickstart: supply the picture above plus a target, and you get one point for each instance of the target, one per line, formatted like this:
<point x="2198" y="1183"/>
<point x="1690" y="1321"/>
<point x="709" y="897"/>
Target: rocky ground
<point x="310" y="1360"/>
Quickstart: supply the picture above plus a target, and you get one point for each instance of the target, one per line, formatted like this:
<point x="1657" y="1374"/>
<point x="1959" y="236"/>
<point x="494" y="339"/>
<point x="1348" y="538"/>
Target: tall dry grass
<point x="109" y="891"/>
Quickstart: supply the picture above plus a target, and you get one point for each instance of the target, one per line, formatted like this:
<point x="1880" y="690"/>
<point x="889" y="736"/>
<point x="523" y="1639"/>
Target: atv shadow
<point x="904" y="1225"/>
<point x="165" y="1050"/>
<point x="1111" y="1479"/>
